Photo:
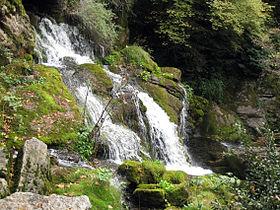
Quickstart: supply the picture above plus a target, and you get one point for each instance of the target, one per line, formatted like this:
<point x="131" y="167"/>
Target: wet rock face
<point x="208" y="153"/>
<point x="16" y="32"/>
<point x="33" y="169"/>
<point x="51" y="7"/>
<point x="28" y="200"/>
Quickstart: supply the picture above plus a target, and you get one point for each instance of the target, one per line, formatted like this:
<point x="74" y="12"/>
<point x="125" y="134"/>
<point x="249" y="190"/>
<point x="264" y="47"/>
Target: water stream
<point x="54" y="42"/>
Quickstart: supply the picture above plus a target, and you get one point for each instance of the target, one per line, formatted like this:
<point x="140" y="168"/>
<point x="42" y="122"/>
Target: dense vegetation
<point x="212" y="42"/>
<point x="215" y="43"/>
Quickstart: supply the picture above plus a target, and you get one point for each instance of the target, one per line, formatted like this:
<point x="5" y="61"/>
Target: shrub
<point x="261" y="188"/>
<point x="99" y="21"/>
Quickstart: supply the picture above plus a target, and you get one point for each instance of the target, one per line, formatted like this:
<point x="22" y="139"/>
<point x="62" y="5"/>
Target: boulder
<point x="142" y="173"/>
<point x="174" y="71"/>
<point x="30" y="201"/>
<point x="4" y="190"/>
<point x="100" y="81"/>
<point x="150" y="197"/>
<point x="33" y="167"/>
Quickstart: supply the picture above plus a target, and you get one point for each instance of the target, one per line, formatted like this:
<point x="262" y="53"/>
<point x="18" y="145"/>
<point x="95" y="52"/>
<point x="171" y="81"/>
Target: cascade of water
<point x="183" y="127"/>
<point x="165" y="140"/>
<point x="55" y="41"/>
<point x="124" y="144"/>
<point x="59" y="41"/>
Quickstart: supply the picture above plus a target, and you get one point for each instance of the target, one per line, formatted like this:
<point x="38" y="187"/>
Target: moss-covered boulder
<point x="138" y="57"/>
<point x="176" y="73"/>
<point x="100" y="81"/>
<point x="142" y="173"/>
<point x="175" y="177"/>
<point x="170" y="104"/>
<point x="150" y="197"/>
<point x="36" y="103"/>
<point x="179" y="195"/>
<point x="172" y="87"/>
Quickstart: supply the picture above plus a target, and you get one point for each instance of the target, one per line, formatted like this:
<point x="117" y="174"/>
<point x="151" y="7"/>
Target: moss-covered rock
<point x="175" y="177"/>
<point x="179" y="195"/>
<point x="138" y="57"/>
<point x="132" y="170"/>
<point x="198" y="107"/>
<point x="142" y="173"/>
<point x="100" y="81"/>
<point x="150" y="197"/>
<point x="172" y="87"/>
<point x="170" y="104"/>
<point x="153" y="171"/>
<point x="176" y="73"/>
<point x="36" y="102"/>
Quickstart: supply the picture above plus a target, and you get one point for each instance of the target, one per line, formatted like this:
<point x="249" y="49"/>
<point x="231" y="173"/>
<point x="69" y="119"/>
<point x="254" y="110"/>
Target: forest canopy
<point x="210" y="41"/>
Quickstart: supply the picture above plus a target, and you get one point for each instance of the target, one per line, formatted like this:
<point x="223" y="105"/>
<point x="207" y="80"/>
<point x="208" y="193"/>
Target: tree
<point x="210" y="41"/>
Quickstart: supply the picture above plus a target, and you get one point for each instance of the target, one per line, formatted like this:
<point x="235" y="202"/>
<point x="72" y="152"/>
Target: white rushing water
<point x="165" y="140"/>
<point x="124" y="144"/>
<point x="56" y="41"/>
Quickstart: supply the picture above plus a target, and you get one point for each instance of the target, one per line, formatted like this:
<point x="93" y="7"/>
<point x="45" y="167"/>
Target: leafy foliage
<point x="99" y="21"/>
<point x="240" y="15"/>
<point x="210" y="41"/>
<point x="261" y="188"/>
<point x="84" y="145"/>
<point x="87" y="182"/>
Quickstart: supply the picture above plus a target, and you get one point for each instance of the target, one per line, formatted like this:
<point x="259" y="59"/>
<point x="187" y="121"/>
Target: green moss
<point x="175" y="177"/>
<point x="142" y="173"/>
<point x="138" y="57"/>
<point x="170" y="104"/>
<point x="179" y="196"/>
<point x="153" y="171"/>
<point x="42" y="106"/>
<point x="198" y="108"/>
<point x="100" y="79"/>
<point x="78" y="182"/>
<point x="132" y="170"/>
<point x="113" y="58"/>
<point x="176" y="73"/>
<point x="150" y="197"/>
<point x="209" y="126"/>
<point x="148" y="186"/>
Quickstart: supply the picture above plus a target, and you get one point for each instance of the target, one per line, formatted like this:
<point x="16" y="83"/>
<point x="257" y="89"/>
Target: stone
<point x="141" y="173"/>
<point x="174" y="71"/>
<point x="33" y="166"/>
<point x="4" y="162"/>
<point x="30" y="201"/>
<point x="4" y="190"/>
<point x="150" y="197"/>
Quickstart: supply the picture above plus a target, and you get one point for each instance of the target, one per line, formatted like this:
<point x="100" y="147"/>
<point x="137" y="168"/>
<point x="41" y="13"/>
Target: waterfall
<point x="61" y="40"/>
<point x="165" y="140"/>
<point x="54" y="42"/>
